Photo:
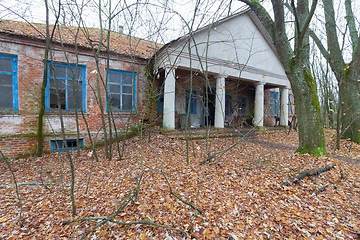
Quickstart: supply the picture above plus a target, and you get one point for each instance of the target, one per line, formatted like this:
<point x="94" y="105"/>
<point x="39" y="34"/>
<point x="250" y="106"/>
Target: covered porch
<point x="198" y="99"/>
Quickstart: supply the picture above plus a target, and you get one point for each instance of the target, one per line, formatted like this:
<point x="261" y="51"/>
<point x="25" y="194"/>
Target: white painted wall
<point x="235" y="47"/>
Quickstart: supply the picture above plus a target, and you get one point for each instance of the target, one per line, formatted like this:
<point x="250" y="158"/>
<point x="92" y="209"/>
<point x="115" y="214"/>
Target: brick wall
<point x="18" y="128"/>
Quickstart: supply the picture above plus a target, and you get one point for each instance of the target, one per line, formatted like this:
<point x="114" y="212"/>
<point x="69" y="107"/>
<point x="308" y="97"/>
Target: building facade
<point x="224" y="74"/>
<point x="77" y="74"/>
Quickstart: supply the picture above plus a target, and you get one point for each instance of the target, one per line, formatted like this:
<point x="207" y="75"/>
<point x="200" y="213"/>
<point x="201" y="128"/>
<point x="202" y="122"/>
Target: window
<point x="289" y="112"/>
<point x="273" y="111"/>
<point x="121" y="90"/>
<point x="8" y="83"/>
<point x="242" y="106"/>
<point x="227" y="105"/>
<point x="161" y="101"/>
<point x="66" y="87"/>
<point x="192" y="109"/>
<point x="59" y="146"/>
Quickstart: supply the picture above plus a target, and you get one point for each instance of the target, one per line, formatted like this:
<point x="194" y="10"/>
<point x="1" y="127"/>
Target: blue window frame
<point x="161" y="101"/>
<point x="8" y="83"/>
<point x="227" y="105"/>
<point x="242" y="106"/>
<point x="273" y="111"/>
<point x="121" y="90"/>
<point x="59" y="146"/>
<point x="66" y="88"/>
<point x="289" y="103"/>
<point x="192" y="109"/>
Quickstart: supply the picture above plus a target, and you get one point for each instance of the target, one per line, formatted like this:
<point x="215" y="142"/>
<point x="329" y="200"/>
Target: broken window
<point x="66" y="87"/>
<point x="121" y="90"/>
<point x="71" y="144"/>
<point x="8" y="83"/>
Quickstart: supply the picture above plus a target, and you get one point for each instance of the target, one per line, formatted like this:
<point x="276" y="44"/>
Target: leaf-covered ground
<point x="239" y="192"/>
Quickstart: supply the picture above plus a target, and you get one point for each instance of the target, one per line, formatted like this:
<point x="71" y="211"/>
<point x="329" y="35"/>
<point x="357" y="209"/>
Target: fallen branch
<point x="319" y="190"/>
<point x="25" y="183"/>
<point x="178" y="197"/>
<point x="16" y="187"/>
<point x="307" y="173"/>
<point x="211" y="156"/>
<point x="127" y="223"/>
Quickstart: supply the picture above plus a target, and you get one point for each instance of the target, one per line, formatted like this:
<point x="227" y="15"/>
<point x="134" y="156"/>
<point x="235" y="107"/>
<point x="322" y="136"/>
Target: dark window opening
<point x="59" y="146"/>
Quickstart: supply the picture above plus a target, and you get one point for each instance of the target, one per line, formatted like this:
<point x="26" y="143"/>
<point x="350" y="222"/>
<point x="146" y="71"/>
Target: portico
<point x="214" y="79"/>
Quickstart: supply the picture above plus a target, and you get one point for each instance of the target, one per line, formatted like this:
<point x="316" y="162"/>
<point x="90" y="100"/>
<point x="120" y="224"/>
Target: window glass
<point x="6" y="65"/>
<point x="6" y="99"/>
<point x="72" y="144"/>
<point x="127" y="102"/>
<point x="127" y="79"/>
<point x="127" y="89"/>
<point x="74" y="71"/>
<point x="227" y="105"/>
<point x="161" y="101"/>
<point x="192" y="109"/>
<point x="273" y="104"/>
<point x="6" y="79"/>
<point x="8" y="83"/>
<point x="115" y="102"/>
<point x="74" y="95"/>
<point x="114" y="88"/>
<point x="121" y="90"/>
<point x="114" y="77"/>
<point x="57" y="71"/>
<point x="64" y="92"/>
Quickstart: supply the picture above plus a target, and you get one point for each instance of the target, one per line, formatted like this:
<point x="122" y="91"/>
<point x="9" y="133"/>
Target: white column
<point x="259" y="105"/>
<point x="220" y="102"/>
<point x="284" y="107"/>
<point x="169" y="99"/>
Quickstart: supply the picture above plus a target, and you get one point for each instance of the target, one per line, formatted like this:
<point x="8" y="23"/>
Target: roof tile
<point x="86" y="37"/>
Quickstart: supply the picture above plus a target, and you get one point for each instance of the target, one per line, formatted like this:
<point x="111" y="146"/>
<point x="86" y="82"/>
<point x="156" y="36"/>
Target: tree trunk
<point x="351" y="103"/>
<point x="295" y="63"/>
<point x="307" y="108"/>
<point x="346" y="74"/>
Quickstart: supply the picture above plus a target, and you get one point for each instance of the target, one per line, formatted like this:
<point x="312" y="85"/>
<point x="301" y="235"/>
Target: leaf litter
<point x="239" y="192"/>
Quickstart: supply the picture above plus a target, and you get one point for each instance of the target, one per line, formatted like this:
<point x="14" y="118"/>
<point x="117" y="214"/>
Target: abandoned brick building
<point x="230" y="74"/>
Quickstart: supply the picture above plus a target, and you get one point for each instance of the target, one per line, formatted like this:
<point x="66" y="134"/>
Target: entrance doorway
<point x="209" y="106"/>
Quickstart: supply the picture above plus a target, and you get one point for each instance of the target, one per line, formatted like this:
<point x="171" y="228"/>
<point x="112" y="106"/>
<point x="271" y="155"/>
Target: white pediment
<point x="237" y="46"/>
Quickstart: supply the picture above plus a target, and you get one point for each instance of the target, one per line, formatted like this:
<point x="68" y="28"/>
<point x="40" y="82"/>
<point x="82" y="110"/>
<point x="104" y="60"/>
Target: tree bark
<point x="307" y="173"/>
<point x="346" y="74"/>
<point x="295" y="63"/>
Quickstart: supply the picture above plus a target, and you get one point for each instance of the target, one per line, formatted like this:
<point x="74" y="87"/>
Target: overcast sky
<point x="157" y="20"/>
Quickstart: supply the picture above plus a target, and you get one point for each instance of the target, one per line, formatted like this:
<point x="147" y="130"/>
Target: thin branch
<point x="24" y="184"/>
<point x="16" y="185"/>
<point x="297" y="24"/>
<point x="351" y="25"/>
<point x="144" y="222"/>
<point x="178" y="197"/>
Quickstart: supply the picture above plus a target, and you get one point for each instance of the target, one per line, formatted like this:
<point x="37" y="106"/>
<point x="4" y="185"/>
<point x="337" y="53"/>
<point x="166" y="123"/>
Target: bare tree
<point x="296" y="64"/>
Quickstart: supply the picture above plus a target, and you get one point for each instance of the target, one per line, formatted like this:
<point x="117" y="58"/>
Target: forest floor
<point x="237" y="195"/>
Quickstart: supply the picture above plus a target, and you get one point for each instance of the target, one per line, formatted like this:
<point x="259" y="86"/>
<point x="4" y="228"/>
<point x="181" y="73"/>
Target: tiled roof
<point x="87" y="37"/>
